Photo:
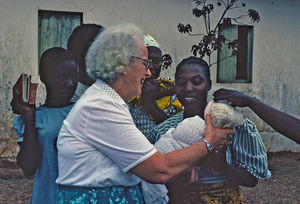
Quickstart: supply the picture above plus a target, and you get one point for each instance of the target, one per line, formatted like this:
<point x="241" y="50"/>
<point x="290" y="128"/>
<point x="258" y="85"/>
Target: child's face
<point x="62" y="80"/>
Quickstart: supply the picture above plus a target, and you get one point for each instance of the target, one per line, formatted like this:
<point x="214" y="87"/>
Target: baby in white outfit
<point x="189" y="131"/>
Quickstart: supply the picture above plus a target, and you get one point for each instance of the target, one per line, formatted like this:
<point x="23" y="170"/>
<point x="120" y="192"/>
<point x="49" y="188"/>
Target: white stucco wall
<point x="276" y="65"/>
<point x="276" y="61"/>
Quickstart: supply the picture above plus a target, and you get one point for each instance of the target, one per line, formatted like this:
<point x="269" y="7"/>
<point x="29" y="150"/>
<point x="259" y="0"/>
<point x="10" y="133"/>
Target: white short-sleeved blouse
<point x="98" y="143"/>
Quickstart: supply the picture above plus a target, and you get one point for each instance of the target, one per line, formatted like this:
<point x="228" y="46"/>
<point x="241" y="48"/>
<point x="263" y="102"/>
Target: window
<point x="236" y="69"/>
<point x="55" y="27"/>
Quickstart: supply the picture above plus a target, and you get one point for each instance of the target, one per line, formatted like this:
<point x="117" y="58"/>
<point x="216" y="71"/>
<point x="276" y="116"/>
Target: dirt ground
<point x="282" y="188"/>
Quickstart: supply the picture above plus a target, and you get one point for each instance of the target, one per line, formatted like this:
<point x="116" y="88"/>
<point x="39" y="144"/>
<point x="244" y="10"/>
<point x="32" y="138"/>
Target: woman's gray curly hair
<point x="111" y="52"/>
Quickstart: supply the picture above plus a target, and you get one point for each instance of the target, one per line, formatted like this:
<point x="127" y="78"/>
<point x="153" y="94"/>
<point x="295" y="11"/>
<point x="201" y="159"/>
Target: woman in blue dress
<point x="38" y="128"/>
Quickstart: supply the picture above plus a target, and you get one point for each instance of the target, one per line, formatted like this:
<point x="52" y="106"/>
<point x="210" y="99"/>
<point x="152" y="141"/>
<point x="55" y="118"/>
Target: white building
<point x="275" y="70"/>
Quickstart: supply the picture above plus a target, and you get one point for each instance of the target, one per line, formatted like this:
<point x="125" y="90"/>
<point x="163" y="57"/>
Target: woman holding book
<point x="38" y="127"/>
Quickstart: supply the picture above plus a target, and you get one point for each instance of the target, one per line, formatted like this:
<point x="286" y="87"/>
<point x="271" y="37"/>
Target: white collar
<point x="104" y="87"/>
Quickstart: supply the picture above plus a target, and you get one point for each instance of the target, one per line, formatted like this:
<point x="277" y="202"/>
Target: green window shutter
<point x="55" y="28"/>
<point x="236" y="69"/>
<point x="227" y="65"/>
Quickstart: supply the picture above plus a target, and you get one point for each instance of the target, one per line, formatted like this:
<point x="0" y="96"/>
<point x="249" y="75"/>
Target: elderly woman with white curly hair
<point x="102" y="156"/>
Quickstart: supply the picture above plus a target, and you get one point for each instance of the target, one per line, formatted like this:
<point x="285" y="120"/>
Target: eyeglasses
<point x="146" y="62"/>
<point x="156" y="60"/>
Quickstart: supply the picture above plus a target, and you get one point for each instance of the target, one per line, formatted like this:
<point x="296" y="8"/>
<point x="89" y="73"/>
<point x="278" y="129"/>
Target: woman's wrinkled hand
<point x="216" y="136"/>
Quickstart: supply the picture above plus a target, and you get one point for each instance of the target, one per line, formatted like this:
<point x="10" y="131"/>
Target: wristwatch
<point x="208" y="145"/>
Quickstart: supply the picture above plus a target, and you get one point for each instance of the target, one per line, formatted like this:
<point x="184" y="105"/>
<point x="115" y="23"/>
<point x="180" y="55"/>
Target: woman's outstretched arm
<point x="283" y="123"/>
<point x="162" y="168"/>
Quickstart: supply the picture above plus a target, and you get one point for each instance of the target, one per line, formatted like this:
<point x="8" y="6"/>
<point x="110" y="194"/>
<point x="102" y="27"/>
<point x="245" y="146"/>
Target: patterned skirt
<point x="105" y="195"/>
<point x="218" y="193"/>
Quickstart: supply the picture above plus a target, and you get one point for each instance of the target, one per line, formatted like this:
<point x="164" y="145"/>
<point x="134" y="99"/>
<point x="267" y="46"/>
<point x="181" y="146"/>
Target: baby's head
<point x="223" y="115"/>
<point x="191" y="130"/>
<point x="59" y="72"/>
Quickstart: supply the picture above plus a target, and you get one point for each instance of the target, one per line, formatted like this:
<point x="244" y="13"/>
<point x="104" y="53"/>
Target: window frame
<point x="43" y="14"/>
<point x="249" y="53"/>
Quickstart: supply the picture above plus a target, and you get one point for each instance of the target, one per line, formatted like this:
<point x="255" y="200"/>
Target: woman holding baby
<point x="102" y="156"/>
<point x="217" y="176"/>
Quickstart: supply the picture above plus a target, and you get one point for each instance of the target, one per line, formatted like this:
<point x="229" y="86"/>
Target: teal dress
<point x="99" y="195"/>
<point x="48" y="123"/>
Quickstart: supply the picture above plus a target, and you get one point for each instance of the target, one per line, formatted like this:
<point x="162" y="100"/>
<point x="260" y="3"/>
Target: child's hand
<point x="149" y="90"/>
<point x="22" y="108"/>
<point x="149" y="94"/>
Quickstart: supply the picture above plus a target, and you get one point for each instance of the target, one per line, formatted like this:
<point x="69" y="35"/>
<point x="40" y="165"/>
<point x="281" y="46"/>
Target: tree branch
<point x="196" y="34"/>
<point x="220" y="60"/>
<point x="235" y="7"/>
<point x="241" y="23"/>
<point x="241" y="16"/>
<point x="205" y="21"/>
<point x="223" y="14"/>
<point x="208" y="21"/>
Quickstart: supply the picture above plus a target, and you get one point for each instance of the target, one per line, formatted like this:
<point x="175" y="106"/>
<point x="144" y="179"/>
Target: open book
<point x="26" y="89"/>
